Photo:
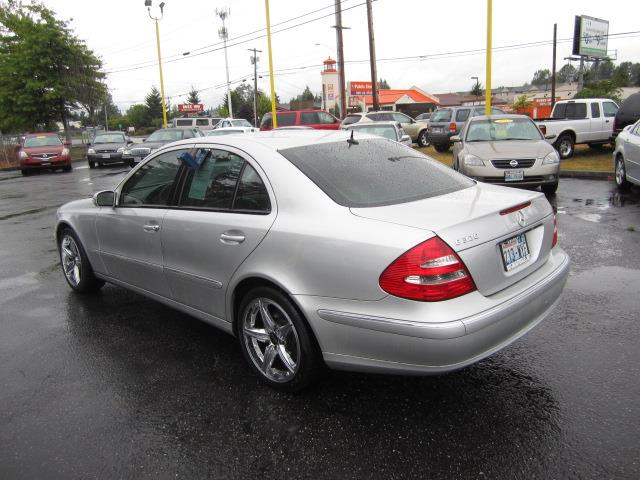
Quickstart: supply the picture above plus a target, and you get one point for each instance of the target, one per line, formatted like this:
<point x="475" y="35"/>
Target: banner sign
<point x="590" y="36"/>
<point x="361" y="88"/>
<point x="190" y="107"/>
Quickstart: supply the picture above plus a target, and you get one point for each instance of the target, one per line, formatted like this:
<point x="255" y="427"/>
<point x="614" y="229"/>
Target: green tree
<point x="138" y="115"/>
<point x="306" y="96"/>
<point x="622" y="74"/>
<point x="477" y="90"/>
<point x="45" y="71"/>
<point x="541" y="78"/>
<point x="194" y="96"/>
<point x="521" y="103"/>
<point x="634" y="80"/>
<point x="383" y="85"/>
<point x="567" y="73"/>
<point x="601" y="89"/>
<point x="153" y="101"/>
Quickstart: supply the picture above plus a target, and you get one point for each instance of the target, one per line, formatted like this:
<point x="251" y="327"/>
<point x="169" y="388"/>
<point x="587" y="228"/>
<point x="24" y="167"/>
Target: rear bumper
<point x="440" y="138"/>
<point x="400" y="336"/>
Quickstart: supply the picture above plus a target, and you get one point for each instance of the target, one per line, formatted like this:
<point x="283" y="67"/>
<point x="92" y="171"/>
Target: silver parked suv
<point x="447" y="122"/>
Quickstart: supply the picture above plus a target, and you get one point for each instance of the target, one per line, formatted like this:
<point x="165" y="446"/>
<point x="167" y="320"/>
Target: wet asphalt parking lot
<point x="117" y="386"/>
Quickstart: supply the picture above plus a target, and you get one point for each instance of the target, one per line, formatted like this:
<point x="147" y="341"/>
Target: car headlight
<point x="91" y="150"/>
<point x="551" y="158"/>
<point x="125" y="151"/>
<point x="120" y="150"/>
<point x="23" y="155"/>
<point x="65" y="152"/>
<point x="473" y="161"/>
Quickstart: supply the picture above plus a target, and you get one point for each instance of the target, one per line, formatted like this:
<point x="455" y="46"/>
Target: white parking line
<point x="80" y="168"/>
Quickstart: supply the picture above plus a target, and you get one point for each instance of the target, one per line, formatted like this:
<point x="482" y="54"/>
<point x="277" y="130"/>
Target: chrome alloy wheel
<point x="565" y="148"/>
<point x="71" y="260"/>
<point x="271" y="340"/>
<point x="620" y="173"/>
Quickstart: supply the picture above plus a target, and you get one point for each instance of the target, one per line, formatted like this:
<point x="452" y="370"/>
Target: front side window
<point x="610" y="109"/>
<point x="152" y="184"/>
<point x="326" y="118"/>
<point x="401" y="117"/>
<point x="213" y="184"/>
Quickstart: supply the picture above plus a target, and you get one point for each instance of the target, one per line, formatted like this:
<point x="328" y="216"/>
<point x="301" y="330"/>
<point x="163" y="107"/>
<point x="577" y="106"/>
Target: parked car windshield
<point x="109" y="138"/>
<point x="42" y="141"/>
<point x="165" y="136"/>
<point x="502" y="129"/>
<point x="374" y="172"/>
<point x="349" y="119"/>
<point x="385" y="131"/>
<point x="241" y="123"/>
<point x="443" y="115"/>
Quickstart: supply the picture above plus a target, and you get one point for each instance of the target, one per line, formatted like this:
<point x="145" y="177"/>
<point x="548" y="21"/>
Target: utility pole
<point x="254" y="61"/>
<point x="224" y="35"/>
<point x="487" y="83"/>
<point x="274" y="117"/>
<point x="338" y="26"/>
<point x="553" y="66"/>
<point x="106" y="118"/>
<point x="372" y="58"/>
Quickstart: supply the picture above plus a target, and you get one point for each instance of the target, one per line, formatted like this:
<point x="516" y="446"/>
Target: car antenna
<point x="351" y="141"/>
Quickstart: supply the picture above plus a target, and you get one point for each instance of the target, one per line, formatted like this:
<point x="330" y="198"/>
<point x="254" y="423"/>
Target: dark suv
<point x="447" y="122"/>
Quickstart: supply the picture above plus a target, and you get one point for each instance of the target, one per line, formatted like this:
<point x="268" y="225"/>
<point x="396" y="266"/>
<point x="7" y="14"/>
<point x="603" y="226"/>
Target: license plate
<point x="106" y="155"/>
<point x="437" y="129"/>
<point x="45" y="163"/>
<point x="515" y="252"/>
<point x="513" y="175"/>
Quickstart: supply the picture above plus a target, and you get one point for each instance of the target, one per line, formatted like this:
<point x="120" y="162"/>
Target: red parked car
<point x="318" y="119"/>
<point x="44" y="150"/>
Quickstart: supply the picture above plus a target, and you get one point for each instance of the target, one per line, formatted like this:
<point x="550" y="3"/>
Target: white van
<point x="203" y="123"/>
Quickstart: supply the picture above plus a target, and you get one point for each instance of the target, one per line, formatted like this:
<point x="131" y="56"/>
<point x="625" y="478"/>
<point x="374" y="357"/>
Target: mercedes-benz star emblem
<point x="513" y="163"/>
<point x="521" y="220"/>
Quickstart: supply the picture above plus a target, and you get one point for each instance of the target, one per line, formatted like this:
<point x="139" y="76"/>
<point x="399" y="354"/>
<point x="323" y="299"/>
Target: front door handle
<point x="151" y="228"/>
<point x="232" y="237"/>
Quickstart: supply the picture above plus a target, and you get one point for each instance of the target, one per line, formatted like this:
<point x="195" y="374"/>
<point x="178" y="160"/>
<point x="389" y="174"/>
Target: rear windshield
<point x="374" y="172"/>
<point x="443" y="115"/>
<point x="570" y="110"/>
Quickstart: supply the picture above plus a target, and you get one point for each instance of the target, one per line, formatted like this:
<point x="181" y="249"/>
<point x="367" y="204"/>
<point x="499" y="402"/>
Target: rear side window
<point x="252" y="194"/>
<point x="183" y="122"/>
<point x="443" y="115"/>
<point x="595" y="110"/>
<point x="462" y="115"/>
<point x="374" y="172"/>
<point x="309" y="118"/>
<point x="202" y="122"/>
<point x="610" y="109"/>
<point x="214" y="183"/>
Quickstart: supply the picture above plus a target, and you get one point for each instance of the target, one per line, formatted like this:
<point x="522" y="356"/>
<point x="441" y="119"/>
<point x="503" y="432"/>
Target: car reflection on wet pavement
<point x="116" y="385"/>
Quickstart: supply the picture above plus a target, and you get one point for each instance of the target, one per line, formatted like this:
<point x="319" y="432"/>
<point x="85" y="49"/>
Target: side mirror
<point x="405" y="139"/>
<point x="455" y="138"/>
<point x="129" y="141"/>
<point x="105" y="198"/>
<point x="550" y="137"/>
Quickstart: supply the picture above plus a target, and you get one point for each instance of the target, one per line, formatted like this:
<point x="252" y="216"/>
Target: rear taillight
<point x="429" y="272"/>
<point x="554" y="240"/>
<point x="452" y="127"/>
<point x="543" y="129"/>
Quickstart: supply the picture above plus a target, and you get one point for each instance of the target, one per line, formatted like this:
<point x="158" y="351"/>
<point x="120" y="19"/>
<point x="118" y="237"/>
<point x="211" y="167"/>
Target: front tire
<point x="75" y="264"/>
<point x="621" y="174"/>
<point x="549" y="188"/>
<point x="565" y="146"/>
<point x="67" y="168"/>
<point x="24" y="172"/>
<point x="423" y="140"/>
<point x="276" y="340"/>
<point x="92" y="164"/>
<point x="441" y="147"/>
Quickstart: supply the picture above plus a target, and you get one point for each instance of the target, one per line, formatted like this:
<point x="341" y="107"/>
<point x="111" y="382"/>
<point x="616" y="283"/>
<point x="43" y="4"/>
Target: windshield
<point x="381" y="131"/>
<point x="502" y="129"/>
<point x="109" y="138"/>
<point x="42" y="141"/>
<point x="240" y="123"/>
<point x="443" y="115"/>
<point x="374" y="172"/>
<point x="165" y="136"/>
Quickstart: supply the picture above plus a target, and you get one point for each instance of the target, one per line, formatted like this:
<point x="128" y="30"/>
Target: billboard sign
<point x="190" y="107"/>
<point x="361" y="88"/>
<point x="590" y="36"/>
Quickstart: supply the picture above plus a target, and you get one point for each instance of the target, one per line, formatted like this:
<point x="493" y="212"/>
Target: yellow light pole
<point x="274" y="119"/>
<point x="487" y="92"/>
<point x="147" y="4"/>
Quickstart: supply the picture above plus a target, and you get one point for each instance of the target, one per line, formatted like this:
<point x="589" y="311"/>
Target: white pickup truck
<point x="585" y="120"/>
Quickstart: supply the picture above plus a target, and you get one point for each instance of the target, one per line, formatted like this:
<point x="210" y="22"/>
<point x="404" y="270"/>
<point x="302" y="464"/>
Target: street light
<point x="147" y="3"/>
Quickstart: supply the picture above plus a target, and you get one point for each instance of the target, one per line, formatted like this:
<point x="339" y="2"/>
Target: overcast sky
<point x="121" y="33"/>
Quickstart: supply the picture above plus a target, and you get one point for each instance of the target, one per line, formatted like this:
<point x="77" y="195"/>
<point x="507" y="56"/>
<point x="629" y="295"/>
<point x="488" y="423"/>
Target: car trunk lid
<point x="478" y="224"/>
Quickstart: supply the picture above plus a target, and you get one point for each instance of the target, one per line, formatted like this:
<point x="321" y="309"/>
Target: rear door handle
<point x="151" y="228"/>
<point x="232" y="237"/>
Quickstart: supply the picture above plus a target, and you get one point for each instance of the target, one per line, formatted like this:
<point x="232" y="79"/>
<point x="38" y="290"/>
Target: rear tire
<point x="423" y="139"/>
<point x="75" y="264"/>
<point x="565" y="146"/>
<point x="441" y="147"/>
<point x="621" y="174"/>
<point x="24" y="172"/>
<point x="549" y="188"/>
<point x="276" y="341"/>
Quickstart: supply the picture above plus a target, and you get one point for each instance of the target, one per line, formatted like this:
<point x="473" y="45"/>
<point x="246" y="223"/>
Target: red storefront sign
<point x="190" y="107"/>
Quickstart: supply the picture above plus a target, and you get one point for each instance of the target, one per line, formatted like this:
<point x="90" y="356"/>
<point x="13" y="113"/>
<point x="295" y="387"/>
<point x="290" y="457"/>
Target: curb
<point x="586" y="174"/>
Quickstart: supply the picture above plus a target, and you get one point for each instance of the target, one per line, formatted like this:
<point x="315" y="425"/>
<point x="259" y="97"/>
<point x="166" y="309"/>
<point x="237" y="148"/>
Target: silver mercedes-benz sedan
<point x="320" y="248"/>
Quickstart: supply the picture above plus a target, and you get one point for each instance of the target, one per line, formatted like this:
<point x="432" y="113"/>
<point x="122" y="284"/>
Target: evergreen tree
<point x="193" y="97"/>
<point x="153" y="102"/>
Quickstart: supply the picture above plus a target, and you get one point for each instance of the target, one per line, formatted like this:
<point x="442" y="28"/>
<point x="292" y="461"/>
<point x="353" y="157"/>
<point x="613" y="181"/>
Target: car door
<point x="225" y="210"/>
<point x="609" y="109"/>
<point x="130" y="233"/>
<point x="410" y="126"/>
<point x="597" y="129"/>
<point x="632" y="152"/>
